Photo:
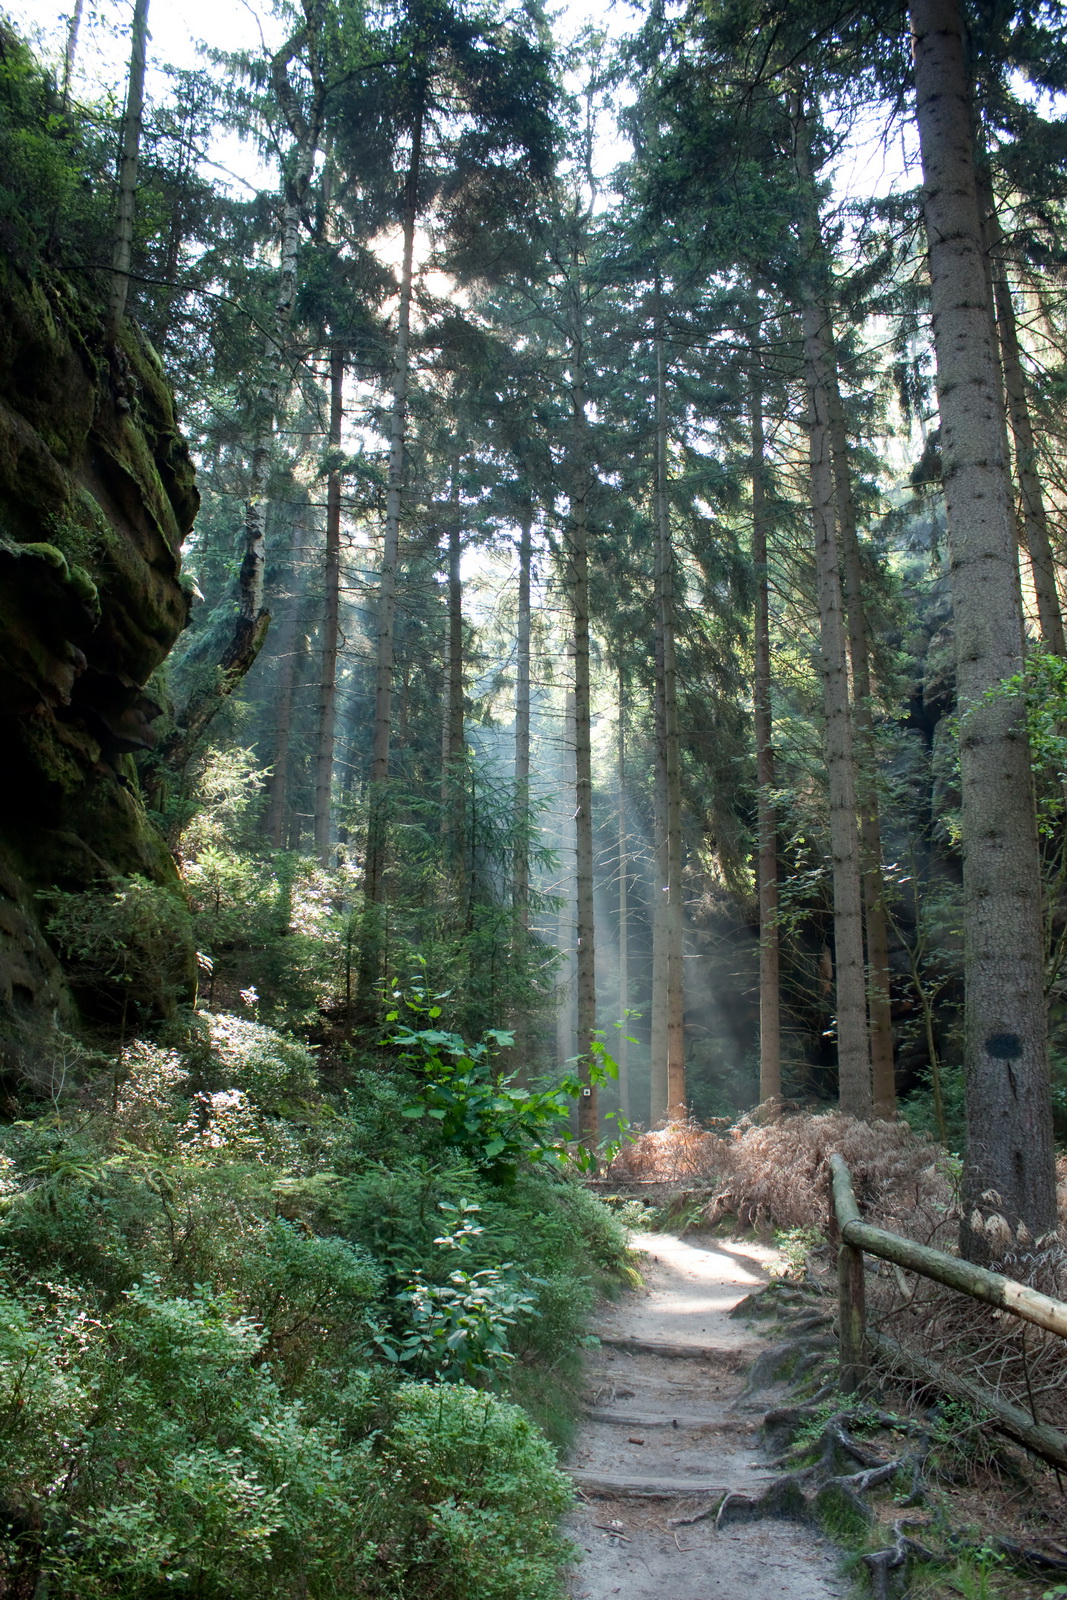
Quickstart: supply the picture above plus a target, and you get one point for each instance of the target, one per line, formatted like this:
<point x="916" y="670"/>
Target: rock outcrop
<point x="96" y="495"/>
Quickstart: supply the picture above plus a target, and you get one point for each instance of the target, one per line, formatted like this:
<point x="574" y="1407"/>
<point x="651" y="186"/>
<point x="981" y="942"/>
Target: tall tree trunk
<point x="578" y="575"/>
<point x="128" y="165"/>
<point x="566" y="929"/>
<point x="853" y="1055"/>
<point x="253" y="619"/>
<point x="670" y="757"/>
<point x="622" y="1049"/>
<point x="456" y="733"/>
<point x="71" y="50"/>
<point x="331" y="617"/>
<point x="770" y="1071"/>
<point x="521" y="890"/>
<point x="881" y="1021"/>
<point x="454" y="776"/>
<point x="659" y="1101"/>
<point x="277" y="805"/>
<point x="1009" y="1169"/>
<point x="1034" y="516"/>
<point x="377" y="817"/>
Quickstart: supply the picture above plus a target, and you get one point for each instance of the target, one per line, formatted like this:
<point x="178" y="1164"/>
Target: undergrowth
<point x="258" y="1341"/>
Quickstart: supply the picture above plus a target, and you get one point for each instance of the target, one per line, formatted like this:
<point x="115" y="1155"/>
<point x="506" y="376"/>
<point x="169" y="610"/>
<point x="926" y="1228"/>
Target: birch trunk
<point x="71" y="50"/>
<point x="881" y="1022"/>
<point x="129" y="161"/>
<point x="770" y="1076"/>
<point x="853" y="1055"/>
<point x="331" y="619"/>
<point x="1009" y="1179"/>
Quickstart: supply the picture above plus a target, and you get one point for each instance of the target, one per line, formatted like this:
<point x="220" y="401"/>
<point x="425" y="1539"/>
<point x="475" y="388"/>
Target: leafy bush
<point x="155" y="1452"/>
<point x="233" y="1053"/>
<point x="459" y="1330"/>
<point x="193" y="1392"/>
<point x="485" y="1116"/>
<point x="48" y="204"/>
<point x="486" y="1497"/>
<point x="125" y="947"/>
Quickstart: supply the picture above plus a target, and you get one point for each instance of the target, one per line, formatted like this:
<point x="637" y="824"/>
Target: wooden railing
<point x="853" y="1237"/>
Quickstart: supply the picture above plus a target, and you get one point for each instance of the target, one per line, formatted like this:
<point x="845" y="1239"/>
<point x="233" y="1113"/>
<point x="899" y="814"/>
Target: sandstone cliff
<point x="96" y="496"/>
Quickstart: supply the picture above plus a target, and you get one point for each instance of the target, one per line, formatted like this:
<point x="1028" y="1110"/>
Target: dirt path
<point x="667" y="1432"/>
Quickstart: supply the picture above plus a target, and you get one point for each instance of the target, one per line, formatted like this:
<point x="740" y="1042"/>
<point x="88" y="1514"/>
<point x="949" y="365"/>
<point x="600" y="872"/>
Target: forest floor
<point x="668" y="1429"/>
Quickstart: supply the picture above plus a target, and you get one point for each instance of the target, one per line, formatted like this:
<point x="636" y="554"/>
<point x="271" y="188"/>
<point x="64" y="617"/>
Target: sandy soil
<point x="667" y="1432"/>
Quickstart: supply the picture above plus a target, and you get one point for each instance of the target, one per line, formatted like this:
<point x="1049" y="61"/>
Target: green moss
<point x="842" y="1516"/>
<point x="83" y="533"/>
<point x="50" y="553"/>
<point x="85" y="588"/>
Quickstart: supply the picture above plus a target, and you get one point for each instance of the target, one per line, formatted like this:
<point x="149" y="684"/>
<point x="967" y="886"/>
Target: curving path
<point x="668" y="1431"/>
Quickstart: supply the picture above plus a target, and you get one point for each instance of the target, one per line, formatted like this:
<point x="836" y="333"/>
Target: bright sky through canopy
<point x="871" y="161"/>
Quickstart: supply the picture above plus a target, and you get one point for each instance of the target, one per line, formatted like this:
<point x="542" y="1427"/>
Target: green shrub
<point x="235" y="1054"/>
<point x="155" y="1452"/>
<point x="485" y="1496"/>
<point x="312" y="1295"/>
<point x="193" y="1399"/>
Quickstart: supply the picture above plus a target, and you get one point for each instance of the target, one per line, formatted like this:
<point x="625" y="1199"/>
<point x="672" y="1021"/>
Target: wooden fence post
<point x="851" y="1308"/>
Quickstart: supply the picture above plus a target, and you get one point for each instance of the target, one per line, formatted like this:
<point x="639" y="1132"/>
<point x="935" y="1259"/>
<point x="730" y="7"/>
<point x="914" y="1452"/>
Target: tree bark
<point x="1009" y="1169"/>
<point x="853" y="1055"/>
<point x="674" y="920"/>
<point x="377" y="815"/>
<point x="881" y="1021"/>
<point x="622" y="1049"/>
<point x="588" y="1123"/>
<point x="770" y="1075"/>
<point x="659" y="1101"/>
<point x="253" y="619"/>
<point x="521" y="885"/>
<point x="283" y="721"/>
<point x="128" y="165"/>
<point x="456" y="739"/>
<point x="306" y="130"/>
<point x="331" y="618"/>
<point x="454" y="776"/>
<point x="71" y="50"/>
<point x="1031" y="493"/>
<point x="566" y="932"/>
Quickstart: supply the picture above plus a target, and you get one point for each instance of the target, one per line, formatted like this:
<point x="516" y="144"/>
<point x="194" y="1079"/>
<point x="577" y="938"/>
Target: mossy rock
<point x="97" y="492"/>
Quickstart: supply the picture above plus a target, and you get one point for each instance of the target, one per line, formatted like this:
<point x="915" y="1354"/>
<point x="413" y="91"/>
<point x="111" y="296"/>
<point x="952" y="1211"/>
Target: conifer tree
<point x="1009" y="1199"/>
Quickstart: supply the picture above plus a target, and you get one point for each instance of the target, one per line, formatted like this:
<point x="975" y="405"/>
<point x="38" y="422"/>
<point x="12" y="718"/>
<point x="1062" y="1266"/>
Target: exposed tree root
<point x="785" y="1358"/>
<point x="888" y="1567"/>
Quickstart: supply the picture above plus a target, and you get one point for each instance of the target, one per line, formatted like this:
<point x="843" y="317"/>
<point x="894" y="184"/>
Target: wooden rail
<point x="853" y="1237"/>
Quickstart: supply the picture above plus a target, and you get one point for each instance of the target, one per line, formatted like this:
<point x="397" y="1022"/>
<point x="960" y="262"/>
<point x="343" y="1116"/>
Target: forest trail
<point x="668" y="1431"/>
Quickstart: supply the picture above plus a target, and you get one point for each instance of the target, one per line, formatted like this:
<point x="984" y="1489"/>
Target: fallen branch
<point x="1044" y="1441"/>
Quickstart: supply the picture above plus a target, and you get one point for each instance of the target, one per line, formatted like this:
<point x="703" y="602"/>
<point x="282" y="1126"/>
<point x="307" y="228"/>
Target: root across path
<point x="670" y="1443"/>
